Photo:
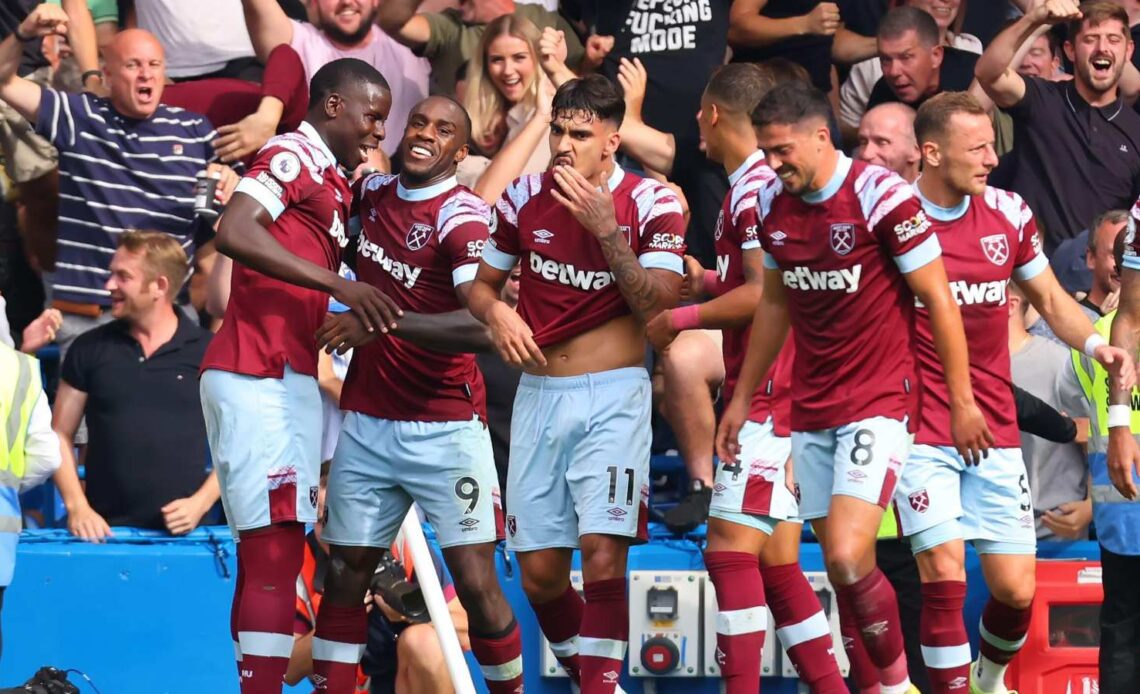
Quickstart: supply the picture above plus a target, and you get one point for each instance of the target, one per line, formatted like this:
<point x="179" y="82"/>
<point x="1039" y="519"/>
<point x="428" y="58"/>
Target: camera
<point x="47" y="680"/>
<point x="391" y="583"/>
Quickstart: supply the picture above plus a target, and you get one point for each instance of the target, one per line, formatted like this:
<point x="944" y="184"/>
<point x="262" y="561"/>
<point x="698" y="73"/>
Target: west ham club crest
<point x="418" y="236"/>
<point x="843" y="238"/>
<point x="996" y="248"/>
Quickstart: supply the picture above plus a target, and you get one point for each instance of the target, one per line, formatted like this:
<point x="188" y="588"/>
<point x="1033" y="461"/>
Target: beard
<point x="334" y="32"/>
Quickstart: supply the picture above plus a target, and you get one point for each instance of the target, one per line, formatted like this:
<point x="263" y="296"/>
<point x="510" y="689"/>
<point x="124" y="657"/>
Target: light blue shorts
<point x="381" y="466"/>
<point x="579" y="459"/>
<point x="754" y="492"/>
<point x="940" y="499"/>
<point x="265" y="438"/>
<point x="862" y="459"/>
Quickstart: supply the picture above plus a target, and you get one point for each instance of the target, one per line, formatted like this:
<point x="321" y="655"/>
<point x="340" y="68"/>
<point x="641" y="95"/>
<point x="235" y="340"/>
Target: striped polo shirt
<point x="118" y="173"/>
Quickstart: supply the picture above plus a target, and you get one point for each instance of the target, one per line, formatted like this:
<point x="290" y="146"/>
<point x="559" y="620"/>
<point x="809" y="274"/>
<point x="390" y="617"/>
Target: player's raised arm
<point x="769" y="331"/>
<point x="971" y="434"/>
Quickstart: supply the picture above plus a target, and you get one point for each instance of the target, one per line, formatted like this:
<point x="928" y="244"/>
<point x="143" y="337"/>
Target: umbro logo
<point x="876" y="629"/>
<point x="778" y="238"/>
<point x="542" y="236"/>
<point x="469" y="522"/>
<point x="617" y="513"/>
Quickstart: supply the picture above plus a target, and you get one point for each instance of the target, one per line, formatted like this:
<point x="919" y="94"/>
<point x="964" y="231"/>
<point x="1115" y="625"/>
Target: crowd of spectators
<point x="108" y="125"/>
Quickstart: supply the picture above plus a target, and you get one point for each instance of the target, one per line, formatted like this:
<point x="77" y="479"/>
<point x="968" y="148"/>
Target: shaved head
<point x="130" y="40"/>
<point x="886" y="138"/>
<point x="136" y="72"/>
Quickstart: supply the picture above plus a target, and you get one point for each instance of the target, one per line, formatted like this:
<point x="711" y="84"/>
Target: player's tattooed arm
<point x="648" y="292"/>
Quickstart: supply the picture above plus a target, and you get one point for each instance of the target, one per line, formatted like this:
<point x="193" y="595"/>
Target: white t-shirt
<point x="200" y="41"/>
<point x="406" y="74"/>
<point x="856" y="91"/>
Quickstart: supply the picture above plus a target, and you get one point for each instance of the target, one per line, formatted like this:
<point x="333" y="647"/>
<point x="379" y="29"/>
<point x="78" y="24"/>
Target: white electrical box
<point x="665" y="623"/>
<point x="826" y="594"/>
<point x="550" y="665"/>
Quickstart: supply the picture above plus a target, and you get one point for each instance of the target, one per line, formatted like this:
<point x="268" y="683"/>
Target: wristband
<point x="1095" y="340"/>
<point x="712" y="283"/>
<point x="685" y="318"/>
<point x="21" y="38"/>
<point x="1119" y="416"/>
<point x="90" y="73"/>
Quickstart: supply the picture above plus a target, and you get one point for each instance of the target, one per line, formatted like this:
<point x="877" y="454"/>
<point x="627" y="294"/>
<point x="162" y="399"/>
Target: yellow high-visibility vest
<point x="20" y="388"/>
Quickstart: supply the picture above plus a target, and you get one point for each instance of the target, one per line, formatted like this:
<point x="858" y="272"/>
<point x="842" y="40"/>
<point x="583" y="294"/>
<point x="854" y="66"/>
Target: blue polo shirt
<point x="118" y="173"/>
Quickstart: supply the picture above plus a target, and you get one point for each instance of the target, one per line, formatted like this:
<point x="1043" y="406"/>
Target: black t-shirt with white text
<point x="680" y="42"/>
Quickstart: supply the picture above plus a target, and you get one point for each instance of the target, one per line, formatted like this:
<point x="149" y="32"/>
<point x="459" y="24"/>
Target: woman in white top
<point x="948" y="14"/>
<point x="508" y="95"/>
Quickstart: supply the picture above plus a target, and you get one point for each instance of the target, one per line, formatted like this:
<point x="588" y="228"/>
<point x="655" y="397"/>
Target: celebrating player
<point x="988" y="237"/>
<point x="416" y="409"/>
<point x="601" y="254"/>
<point x="752" y="496"/>
<point x="847" y="250"/>
<point x="285" y="229"/>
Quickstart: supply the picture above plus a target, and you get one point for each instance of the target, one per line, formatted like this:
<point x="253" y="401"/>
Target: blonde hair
<point x="483" y="101"/>
<point x="162" y="256"/>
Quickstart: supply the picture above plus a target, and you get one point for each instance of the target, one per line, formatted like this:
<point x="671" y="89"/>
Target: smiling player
<point x="285" y="228"/>
<point x="847" y="250"/>
<point x="415" y="428"/>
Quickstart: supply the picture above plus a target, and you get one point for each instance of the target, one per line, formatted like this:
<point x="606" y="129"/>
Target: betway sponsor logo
<point x="845" y="280"/>
<point x="402" y="272"/>
<point x="967" y="293"/>
<point x="567" y="274"/>
<point x="337" y="230"/>
<point x="971" y="293"/>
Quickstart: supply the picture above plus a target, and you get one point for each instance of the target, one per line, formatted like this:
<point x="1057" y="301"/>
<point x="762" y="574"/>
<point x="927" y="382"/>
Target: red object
<point x="226" y="101"/>
<point x="567" y="286"/>
<point x="270" y="323"/>
<point x="416" y="246"/>
<point x="737" y="230"/>
<point x="1061" y="648"/>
